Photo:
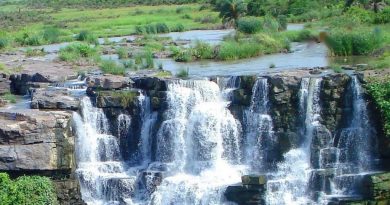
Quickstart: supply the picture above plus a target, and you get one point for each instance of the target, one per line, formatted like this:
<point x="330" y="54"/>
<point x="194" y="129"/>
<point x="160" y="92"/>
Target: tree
<point x="231" y="10"/>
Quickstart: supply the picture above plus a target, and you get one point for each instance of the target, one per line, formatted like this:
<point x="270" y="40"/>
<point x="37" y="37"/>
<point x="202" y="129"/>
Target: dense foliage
<point x="380" y="91"/>
<point x="249" y="25"/>
<point x="26" y="190"/>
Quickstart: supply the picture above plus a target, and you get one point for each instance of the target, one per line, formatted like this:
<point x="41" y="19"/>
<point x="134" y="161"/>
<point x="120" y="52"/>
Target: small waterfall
<point x="199" y="139"/>
<point x="355" y="151"/>
<point x="259" y="137"/>
<point x="148" y="118"/>
<point x="100" y="170"/>
<point x="288" y="185"/>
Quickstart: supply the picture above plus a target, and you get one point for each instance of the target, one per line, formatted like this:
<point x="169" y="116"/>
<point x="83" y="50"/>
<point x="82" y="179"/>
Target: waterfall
<point x="199" y="139"/>
<point x="288" y="185"/>
<point x="259" y="137"/>
<point x="100" y="170"/>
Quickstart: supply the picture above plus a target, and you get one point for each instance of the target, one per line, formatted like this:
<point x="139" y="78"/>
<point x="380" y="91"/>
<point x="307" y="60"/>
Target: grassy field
<point x="105" y="22"/>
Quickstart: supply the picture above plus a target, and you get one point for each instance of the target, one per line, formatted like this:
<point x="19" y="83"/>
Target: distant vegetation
<point x="79" y="53"/>
<point x="26" y="190"/>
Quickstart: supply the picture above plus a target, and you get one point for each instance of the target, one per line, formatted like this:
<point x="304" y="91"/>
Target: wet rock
<point x="151" y="180"/>
<point x="320" y="140"/>
<point x="20" y="83"/>
<point x="4" y="85"/>
<point x="36" y="141"/>
<point x="68" y="192"/>
<point x="150" y="83"/>
<point x="53" y="99"/>
<point x="245" y="195"/>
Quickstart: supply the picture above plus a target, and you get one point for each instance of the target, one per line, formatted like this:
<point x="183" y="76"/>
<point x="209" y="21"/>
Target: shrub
<point x="353" y="43"/>
<point x="150" y="29"/>
<point x="178" y="28"/>
<point x="282" y="20"/>
<point x="182" y="55"/>
<point x="112" y="67"/>
<point x="383" y="17"/>
<point x="3" y="42"/>
<point x="162" y="28"/>
<point x="122" y="53"/>
<point x="270" y="24"/>
<point x="51" y="34"/>
<point x="360" y="14"/>
<point x="77" y="51"/>
<point x="202" y="50"/>
<point x="249" y="25"/>
<point x="183" y="73"/>
<point x="29" y="39"/>
<point x="26" y="190"/>
<point x="35" y="52"/>
<point x="140" y="29"/>
<point x="87" y="36"/>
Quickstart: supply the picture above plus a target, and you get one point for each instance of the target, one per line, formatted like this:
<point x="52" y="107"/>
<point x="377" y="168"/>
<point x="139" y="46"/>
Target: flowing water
<point x="192" y="151"/>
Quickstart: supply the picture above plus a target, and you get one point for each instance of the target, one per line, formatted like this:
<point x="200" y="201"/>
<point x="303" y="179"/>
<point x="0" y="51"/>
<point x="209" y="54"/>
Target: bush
<point x="26" y="190"/>
<point x="122" y="53"/>
<point x="359" y="14"/>
<point x="353" y="43"/>
<point x="77" y="51"/>
<point x="144" y="60"/>
<point x="87" y="36"/>
<point x="29" y="39"/>
<point x="203" y="50"/>
<point x="282" y="20"/>
<point x="51" y="35"/>
<point x="183" y="73"/>
<point x="139" y="30"/>
<point x="383" y="17"/>
<point x="112" y="67"/>
<point x="3" y="43"/>
<point x="380" y="91"/>
<point x="35" y="52"/>
<point x="178" y="28"/>
<point x="270" y="24"/>
<point x="182" y="55"/>
<point x="249" y="25"/>
<point x="162" y="28"/>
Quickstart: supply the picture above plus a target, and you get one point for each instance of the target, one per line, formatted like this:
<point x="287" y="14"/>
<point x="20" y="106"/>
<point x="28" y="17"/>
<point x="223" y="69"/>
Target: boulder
<point x="4" y="85"/>
<point x="108" y="82"/>
<point x="46" y="98"/>
<point x="20" y="83"/>
<point x="245" y="195"/>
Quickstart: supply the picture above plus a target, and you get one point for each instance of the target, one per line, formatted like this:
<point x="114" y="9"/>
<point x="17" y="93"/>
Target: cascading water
<point x="195" y="148"/>
<point x="258" y="128"/>
<point x="101" y="172"/>
<point x="288" y="185"/>
<point x="199" y="141"/>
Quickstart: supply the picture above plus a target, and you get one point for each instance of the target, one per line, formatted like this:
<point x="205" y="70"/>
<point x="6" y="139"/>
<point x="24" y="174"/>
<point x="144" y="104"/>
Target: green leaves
<point x="27" y="190"/>
<point x="380" y="91"/>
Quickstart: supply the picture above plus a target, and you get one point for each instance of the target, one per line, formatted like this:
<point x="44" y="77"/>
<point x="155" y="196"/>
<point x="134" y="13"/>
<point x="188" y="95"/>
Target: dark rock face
<point x="108" y="82"/>
<point x="53" y="99"/>
<point x="20" y="83"/>
<point x="251" y="192"/>
<point x="4" y="85"/>
<point x="68" y="192"/>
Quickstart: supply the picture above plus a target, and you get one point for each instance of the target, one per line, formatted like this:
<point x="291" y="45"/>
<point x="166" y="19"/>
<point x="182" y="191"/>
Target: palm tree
<point x="231" y="10"/>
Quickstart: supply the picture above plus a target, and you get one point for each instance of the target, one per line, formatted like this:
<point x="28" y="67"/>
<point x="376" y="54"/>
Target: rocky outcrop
<point x="61" y="99"/>
<point x="4" y="84"/>
<point x="34" y="140"/>
<point x="20" y="83"/>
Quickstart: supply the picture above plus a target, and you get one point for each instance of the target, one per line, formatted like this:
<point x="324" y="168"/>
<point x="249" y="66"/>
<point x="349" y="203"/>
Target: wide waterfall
<point x="193" y="149"/>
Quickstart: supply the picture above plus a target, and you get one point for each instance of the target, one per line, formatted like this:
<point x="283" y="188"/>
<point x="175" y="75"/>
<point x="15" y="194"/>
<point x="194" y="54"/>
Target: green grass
<point x="9" y="97"/>
<point x="380" y="91"/>
<point x="122" y="53"/>
<point x="183" y="73"/>
<point x="4" y="69"/>
<point x="79" y="53"/>
<point x="112" y="67"/>
<point x="27" y="190"/>
<point x="106" y="22"/>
